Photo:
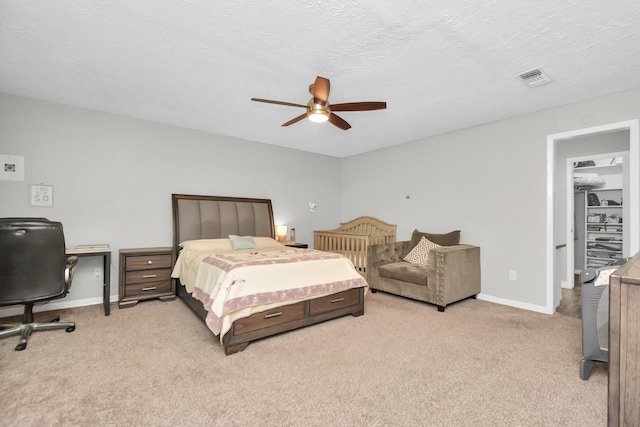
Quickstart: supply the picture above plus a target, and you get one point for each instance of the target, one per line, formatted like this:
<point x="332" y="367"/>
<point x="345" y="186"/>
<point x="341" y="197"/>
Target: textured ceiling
<point x="440" y="65"/>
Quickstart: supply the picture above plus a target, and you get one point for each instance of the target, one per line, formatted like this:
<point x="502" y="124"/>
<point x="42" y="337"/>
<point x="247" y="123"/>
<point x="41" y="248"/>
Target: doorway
<point x="557" y="251"/>
<point x="612" y="171"/>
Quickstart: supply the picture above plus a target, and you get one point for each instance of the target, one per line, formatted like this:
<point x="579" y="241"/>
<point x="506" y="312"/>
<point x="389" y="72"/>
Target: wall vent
<point x="534" y="78"/>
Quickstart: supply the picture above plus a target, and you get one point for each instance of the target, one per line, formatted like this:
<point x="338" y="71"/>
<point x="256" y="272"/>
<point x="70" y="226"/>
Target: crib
<point x="352" y="239"/>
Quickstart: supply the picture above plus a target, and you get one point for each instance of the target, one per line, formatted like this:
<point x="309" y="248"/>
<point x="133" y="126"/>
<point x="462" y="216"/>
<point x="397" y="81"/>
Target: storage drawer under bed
<point x="273" y="317"/>
<point x="334" y="301"/>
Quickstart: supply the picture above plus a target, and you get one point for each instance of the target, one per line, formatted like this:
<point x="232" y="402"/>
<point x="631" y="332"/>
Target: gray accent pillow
<point x="448" y="239"/>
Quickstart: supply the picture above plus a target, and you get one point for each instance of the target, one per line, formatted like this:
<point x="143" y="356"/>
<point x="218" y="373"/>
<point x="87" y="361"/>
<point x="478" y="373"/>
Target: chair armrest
<point x="72" y="261"/>
<point x="384" y="253"/>
<point x="454" y="272"/>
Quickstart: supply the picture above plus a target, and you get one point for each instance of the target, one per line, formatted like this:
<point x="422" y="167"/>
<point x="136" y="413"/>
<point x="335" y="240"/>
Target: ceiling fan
<point x="319" y="110"/>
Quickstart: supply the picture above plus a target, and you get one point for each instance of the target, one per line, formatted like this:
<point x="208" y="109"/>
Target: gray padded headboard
<point x="213" y="217"/>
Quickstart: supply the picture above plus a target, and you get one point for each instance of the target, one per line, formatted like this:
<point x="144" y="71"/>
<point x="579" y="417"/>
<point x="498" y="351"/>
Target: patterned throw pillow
<point x="420" y="254"/>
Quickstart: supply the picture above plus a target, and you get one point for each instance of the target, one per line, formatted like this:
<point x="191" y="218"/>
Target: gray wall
<point x="488" y="181"/>
<point x="113" y="178"/>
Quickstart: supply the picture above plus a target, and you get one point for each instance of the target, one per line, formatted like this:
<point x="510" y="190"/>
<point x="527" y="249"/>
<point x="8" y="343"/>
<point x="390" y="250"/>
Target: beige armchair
<point x="452" y="272"/>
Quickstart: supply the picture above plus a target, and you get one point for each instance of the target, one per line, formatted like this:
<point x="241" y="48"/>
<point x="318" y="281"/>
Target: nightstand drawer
<point x="146" y="276"/>
<point x="332" y="302"/>
<point x="151" y="288"/>
<point x="147" y="262"/>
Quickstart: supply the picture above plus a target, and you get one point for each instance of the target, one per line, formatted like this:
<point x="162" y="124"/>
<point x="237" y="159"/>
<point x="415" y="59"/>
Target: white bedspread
<point x="232" y="284"/>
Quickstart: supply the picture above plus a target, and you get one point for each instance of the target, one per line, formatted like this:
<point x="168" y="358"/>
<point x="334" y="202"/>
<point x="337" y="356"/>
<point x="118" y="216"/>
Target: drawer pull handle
<point x="149" y="276"/>
<point x="337" y="300"/>
<point x="149" y="262"/>
<point x="273" y="315"/>
<point x="150" y="288"/>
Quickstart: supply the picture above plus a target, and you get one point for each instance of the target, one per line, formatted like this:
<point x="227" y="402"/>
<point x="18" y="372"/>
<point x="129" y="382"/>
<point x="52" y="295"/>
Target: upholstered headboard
<point x="213" y="217"/>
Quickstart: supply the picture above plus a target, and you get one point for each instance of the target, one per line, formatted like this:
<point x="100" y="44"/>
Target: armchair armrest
<point x="454" y="273"/>
<point x="384" y="253"/>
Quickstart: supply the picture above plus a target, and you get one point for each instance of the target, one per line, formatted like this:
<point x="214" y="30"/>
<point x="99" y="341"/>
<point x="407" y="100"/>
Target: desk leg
<point x="106" y="289"/>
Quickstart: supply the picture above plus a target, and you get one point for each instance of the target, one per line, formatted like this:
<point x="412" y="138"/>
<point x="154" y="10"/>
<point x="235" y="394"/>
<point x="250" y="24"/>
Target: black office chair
<point x="33" y="269"/>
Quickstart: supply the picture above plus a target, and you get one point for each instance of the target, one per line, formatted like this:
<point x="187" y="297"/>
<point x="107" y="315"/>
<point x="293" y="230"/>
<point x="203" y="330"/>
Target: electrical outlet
<point x="512" y="275"/>
<point x="97" y="272"/>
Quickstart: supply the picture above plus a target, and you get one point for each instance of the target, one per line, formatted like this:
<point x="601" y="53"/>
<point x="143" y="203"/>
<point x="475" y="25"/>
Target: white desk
<point x="105" y="253"/>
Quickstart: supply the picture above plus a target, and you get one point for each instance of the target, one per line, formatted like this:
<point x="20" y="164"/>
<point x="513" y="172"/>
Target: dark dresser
<point x="624" y="345"/>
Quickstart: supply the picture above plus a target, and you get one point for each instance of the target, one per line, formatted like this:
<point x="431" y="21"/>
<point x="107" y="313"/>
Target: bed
<point x="246" y="286"/>
<point x="352" y="239"/>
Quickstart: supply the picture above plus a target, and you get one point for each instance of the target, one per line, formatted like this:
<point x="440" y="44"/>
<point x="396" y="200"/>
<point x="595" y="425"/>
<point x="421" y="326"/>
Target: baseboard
<point x="55" y="305"/>
<point x="512" y="303"/>
<point x="566" y="285"/>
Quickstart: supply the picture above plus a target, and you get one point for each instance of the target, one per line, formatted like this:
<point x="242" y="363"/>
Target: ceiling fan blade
<point x="295" y="119"/>
<point x="269" y="101"/>
<point x="359" y="106"/>
<point x="321" y="89"/>
<point x="339" y="122"/>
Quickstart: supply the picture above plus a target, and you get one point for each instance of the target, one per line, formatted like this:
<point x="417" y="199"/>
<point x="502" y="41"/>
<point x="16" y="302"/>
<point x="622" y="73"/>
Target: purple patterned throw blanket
<point x="236" y="284"/>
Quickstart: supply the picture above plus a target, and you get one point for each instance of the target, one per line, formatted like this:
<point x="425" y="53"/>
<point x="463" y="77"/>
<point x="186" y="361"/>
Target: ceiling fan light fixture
<point x="318" y="116"/>
<point x="318" y="113"/>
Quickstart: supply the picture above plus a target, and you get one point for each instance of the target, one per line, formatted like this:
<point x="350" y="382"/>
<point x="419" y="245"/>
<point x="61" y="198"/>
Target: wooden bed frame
<point x="214" y="217"/>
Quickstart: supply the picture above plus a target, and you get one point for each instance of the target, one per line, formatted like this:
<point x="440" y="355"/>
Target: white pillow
<point x="267" y="242"/>
<point x="217" y="245"/>
<point x="419" y="255"/>
<point x="203" y="245"/>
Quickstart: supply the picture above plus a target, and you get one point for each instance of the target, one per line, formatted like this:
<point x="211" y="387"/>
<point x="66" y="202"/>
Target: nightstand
<point x="297" y="245"/>
<point x="145" y="273"/>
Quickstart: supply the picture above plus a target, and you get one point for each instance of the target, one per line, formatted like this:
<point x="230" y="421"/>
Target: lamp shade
<point x="281" y="233"/>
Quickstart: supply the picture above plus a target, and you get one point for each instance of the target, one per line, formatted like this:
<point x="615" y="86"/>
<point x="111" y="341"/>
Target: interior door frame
<point x="633" y="126"/>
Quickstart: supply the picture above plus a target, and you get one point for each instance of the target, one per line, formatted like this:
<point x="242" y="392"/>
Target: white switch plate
<point x="512" y="275"/>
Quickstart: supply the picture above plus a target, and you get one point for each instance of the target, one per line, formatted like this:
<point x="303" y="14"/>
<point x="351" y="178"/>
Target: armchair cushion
<point x="404" y="272"/>
<point x="419" y="255"/>
<point x="448" y="239"/>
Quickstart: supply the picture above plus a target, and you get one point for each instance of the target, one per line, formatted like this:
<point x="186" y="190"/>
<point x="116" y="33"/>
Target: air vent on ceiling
<point x="534" y="78"/>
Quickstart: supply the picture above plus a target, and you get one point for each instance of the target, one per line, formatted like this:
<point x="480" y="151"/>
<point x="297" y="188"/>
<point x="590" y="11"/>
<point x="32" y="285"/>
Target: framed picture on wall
<point x="11" y="168"/>
<point x="41" y="195"/>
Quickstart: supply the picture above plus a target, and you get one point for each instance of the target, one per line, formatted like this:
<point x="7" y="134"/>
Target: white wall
<point x="489" y="181"/>
<point x="113" y="178"/>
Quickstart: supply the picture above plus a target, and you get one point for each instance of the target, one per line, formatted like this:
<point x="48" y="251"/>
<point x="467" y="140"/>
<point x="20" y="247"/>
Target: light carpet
<point x="401" y="364"/>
